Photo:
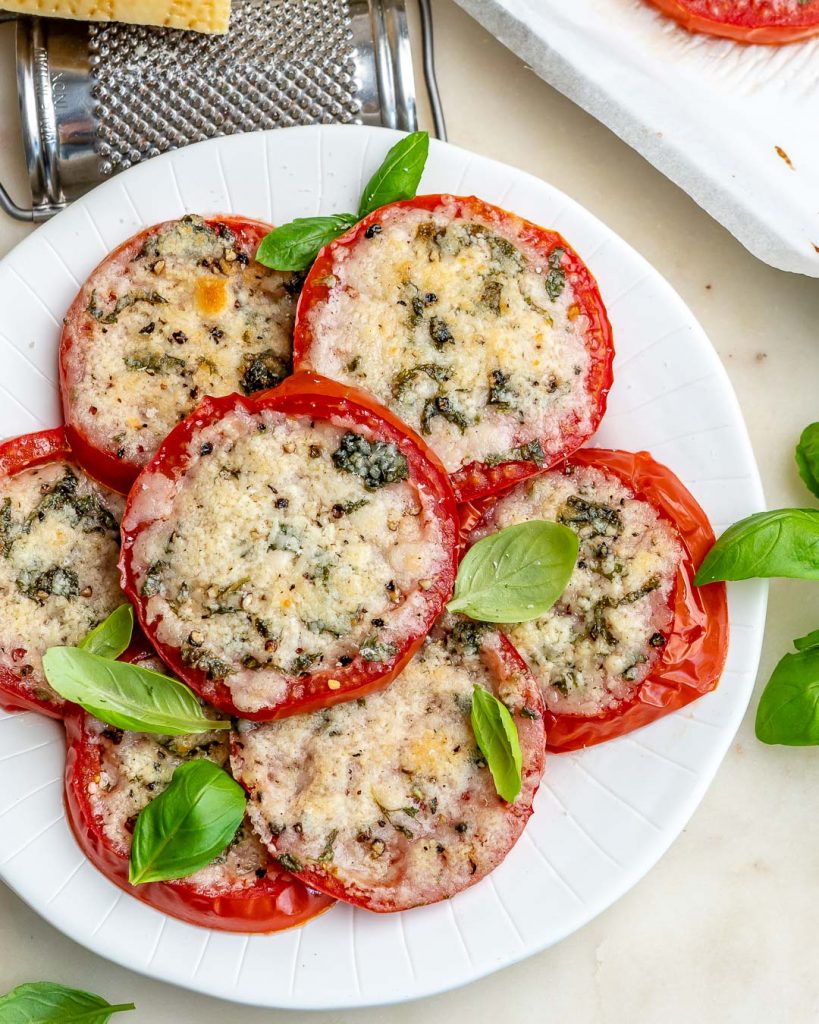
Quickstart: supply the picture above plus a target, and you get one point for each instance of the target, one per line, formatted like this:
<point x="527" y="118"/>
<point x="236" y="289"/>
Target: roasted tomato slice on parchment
<point x="484" y="332"/>
<point x="631" y="638"/>
<point x="59" y="545"/>
<point x="752" y="21"/>
<point x="111" y="775"/>
<point x="179" y="311"/>
<point x="291" y="550"/>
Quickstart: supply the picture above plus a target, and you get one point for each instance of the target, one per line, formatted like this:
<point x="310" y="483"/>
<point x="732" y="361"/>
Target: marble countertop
<point x="722" y="929"/>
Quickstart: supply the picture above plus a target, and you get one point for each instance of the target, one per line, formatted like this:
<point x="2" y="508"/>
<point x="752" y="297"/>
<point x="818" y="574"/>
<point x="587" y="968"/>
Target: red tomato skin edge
<point x="510" y="661"/>
<point x="697" y="646"/>
<point x="16" y="455"/>
<point x="479" y="479"/>
<point x="119" y="474"/>
<point x="275" y="903"/>
<point x="308" y="394"/>
<point x="739" y="31"/>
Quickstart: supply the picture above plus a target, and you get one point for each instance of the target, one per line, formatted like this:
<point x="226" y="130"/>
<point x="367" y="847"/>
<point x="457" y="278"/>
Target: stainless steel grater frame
<point x="97" y="98"/>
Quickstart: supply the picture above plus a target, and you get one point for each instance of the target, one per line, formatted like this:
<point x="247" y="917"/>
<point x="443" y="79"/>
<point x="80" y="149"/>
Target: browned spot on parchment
<point x="781" y="152"/>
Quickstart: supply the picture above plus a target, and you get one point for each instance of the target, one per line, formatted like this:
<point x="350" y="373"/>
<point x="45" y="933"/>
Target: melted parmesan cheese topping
<point x="390" y="794"/>
<point x="191" y="315"/>
<point x="595" y="646"/>
<point x="474" y="340"/>
<point x="59" y="544"/>
<point x="136" y="767"/>
<point x="268" y="561"/>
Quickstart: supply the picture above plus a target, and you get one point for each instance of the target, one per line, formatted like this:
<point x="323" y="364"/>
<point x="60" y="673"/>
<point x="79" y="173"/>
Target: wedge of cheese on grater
<point x="195" y="15"/>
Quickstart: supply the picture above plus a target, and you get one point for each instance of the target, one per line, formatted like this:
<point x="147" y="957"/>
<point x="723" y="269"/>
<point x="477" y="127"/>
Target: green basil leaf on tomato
<point x="294" y="246"/>
<point x="516" y="574"/>
<point x="126" y="696"/>
<point x="807" y="457"/>
<point x="498" y="741"/>
<point x="788" y="711"/>
<point x="784" y="542"/>
<point x="46" y="1002"/>
<point x="112" y="636"/>
<point x="398" y="176"/>
<point x="187" y="825"/>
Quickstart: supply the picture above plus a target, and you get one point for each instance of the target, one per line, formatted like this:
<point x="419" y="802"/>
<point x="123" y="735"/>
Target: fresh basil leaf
<point x="807" y="457"/>
<point x="126" y="696"/>
<point x="788" y="711"/>
<point x="112" y="636"/>
<point x="45" y="1002"/>
<point x="516" y="574"/>
<point x="498" y="742"/>
<point x="784" y="542"/>
<point x="294" y="246"/>
<point x="398" y="176"/>
<point x="805" y="643"/>
<point x="187" y="825"/>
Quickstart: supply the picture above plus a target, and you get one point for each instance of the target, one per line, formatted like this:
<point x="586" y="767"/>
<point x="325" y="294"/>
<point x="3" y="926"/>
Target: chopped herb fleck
<point x="439" y="332"/>
<point x="91" y="515"/>
<point x="153" y="579"/>
<point x="603" y="520"/>
<point x="153" y="363"/>
<point x="326" y="855"/>
<point x="341" y="509"/>
<point x="500" y="394"/>
<point x="302" y="663"/>
<point x="530" y="452"/>
<point x="263" y="370"/>
<point x="55" y="582"/>
<point x="404" y="379"/>
<point x="123" y="302"/>
<point x="204" y="660"/>
<point x="555" y="280"/>
<point x="376" y="462"/>
<point x="5" y="527"/>
<point x="466" y="638"/>
<point x="374" y="649"/>
<point x="491" y="296"/>
<point x="441" y="406"/>
<point x="285" y="539"/>
<point x="289" y="862"/>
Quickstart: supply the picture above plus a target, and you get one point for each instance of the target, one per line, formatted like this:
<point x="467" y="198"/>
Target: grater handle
<point x="34" y="214"/>
<point x="428" y="45"/>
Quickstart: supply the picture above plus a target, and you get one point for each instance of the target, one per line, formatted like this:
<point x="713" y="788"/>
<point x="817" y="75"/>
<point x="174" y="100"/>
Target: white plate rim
<point x="442" y="947"/>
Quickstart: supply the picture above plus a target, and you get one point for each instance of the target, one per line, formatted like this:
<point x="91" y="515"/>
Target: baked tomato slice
<point x="59" y="545"/>
<point x="111" y="776"/>
<point x="631" y="638"/>
<point x="752" y="21"/>
<point x="485" y="333"/>
<point x="388" y="803"/>
<point x="291" y="550"/>
<point x="179" y="311"/>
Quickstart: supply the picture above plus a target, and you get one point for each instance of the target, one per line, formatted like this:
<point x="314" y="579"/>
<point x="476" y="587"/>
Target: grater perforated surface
<point x="283" y="62"/>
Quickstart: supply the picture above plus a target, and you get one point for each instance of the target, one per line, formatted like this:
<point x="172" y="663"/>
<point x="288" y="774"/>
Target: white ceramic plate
<point x="603" y="817"/>
<point x="711" y="114"/>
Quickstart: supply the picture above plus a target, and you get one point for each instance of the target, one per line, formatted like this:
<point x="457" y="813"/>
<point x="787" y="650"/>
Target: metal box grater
<point x="97" y="98"/>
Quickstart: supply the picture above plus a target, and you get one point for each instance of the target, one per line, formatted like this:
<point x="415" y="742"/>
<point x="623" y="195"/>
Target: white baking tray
<point x="736" y="126"/>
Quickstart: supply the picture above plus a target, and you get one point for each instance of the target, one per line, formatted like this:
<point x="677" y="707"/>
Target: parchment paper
<point x="736" y="126"/>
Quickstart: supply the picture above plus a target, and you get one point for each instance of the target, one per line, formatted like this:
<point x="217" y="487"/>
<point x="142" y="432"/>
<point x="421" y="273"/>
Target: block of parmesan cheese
<point x="210" y="16"/>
